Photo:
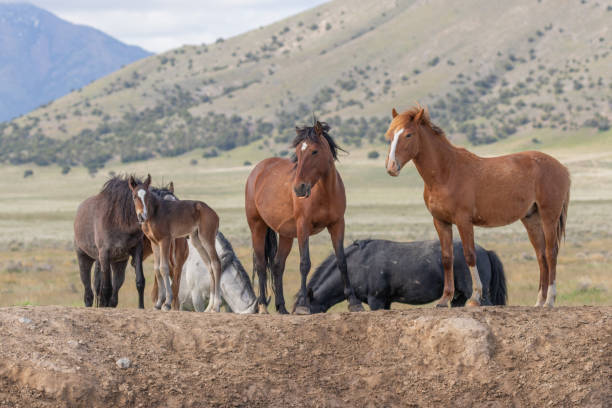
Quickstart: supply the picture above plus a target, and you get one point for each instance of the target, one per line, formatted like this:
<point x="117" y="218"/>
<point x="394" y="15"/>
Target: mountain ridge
<point x="44" y="57"/>
<point x="488" y="70"/>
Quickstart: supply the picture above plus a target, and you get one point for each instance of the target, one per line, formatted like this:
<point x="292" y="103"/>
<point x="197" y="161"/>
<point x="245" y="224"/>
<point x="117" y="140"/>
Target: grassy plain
<point x="37" y="264"/>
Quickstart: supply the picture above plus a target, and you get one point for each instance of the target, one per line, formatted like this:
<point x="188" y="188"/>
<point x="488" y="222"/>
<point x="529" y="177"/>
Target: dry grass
<point x="37" y="265"/>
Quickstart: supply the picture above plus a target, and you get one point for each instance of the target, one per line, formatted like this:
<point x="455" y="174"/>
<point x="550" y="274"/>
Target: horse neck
<point x="329" y="180"/>
<point x="435" y="158"/>
<point x="326" y="291"/>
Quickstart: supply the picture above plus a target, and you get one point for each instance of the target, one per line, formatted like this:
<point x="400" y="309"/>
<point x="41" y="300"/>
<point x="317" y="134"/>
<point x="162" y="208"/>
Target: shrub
<point x="373" y="155"/>
<point x="193" y="162"/>
<point x="28" y="173"/>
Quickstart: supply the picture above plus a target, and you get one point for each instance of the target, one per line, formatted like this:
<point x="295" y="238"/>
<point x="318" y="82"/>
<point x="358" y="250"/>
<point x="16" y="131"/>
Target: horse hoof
<point x="281" y="309"/>
<point x="263" y="309"/>
<point x="442" y="304"/>
<point x="301" y="310"/>
<point x="472" y="303"/>
<point x="357" y="307"/>
<point x="166" y="308"/>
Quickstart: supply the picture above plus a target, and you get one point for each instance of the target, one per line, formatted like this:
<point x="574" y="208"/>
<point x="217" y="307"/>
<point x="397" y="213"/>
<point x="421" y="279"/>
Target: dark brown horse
<point x="163" y="221"/>
<point x="466" y="190"/>
<point x="297" y="198"/>
<point x="106" y="230"/>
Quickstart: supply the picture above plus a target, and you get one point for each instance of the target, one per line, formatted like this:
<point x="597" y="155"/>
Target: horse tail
<point x="97" y="282"/>
<point x="270" y="248"/>
<point x="562" y="220"/>
<point x="497" y="289"/>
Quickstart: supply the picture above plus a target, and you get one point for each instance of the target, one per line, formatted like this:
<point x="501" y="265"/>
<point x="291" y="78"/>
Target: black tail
<point x="498" y="290"/>
<point x="270" y="249"/>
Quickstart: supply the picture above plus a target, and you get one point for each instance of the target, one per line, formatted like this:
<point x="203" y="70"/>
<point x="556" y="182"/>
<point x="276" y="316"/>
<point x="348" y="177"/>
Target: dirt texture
<point x="484" y="357"/>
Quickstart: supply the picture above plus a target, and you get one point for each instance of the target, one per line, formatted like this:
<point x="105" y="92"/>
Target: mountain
<point x="487" y="69"/>
<point x="43" y="57"/>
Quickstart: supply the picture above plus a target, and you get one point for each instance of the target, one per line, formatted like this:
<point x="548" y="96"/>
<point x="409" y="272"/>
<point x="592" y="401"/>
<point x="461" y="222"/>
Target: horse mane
<point x="425" y="120"/>
<point x="229" y="257"/>
<point x="118" y="197"/>
<point x="308" y="133"/>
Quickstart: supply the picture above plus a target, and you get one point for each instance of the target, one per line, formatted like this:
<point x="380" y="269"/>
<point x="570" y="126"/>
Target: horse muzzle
<point x="302" y="190"/>
<point x="141" y="217"/>
<point x="393" y="169"/>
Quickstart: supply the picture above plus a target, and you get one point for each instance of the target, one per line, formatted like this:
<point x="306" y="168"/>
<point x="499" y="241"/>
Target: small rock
<point x="124" y="362"/>
<point x="25" y="320"/>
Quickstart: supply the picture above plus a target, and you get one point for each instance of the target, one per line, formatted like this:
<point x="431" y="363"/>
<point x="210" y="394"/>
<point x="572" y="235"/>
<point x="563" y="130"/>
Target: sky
<point x="160" y="25"/>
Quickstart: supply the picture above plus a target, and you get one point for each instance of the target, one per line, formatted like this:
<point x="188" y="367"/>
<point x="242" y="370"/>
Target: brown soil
<point x="512" y="356"/>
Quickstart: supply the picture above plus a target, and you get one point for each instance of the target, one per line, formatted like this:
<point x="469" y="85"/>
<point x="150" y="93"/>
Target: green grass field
<point x="38" y="266"/>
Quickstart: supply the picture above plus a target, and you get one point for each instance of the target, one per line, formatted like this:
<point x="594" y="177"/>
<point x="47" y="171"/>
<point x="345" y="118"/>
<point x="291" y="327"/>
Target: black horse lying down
<point x="382" y="272"/>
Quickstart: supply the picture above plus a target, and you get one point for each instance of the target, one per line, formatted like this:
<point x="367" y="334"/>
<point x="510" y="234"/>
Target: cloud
<point x="159" y="25"/>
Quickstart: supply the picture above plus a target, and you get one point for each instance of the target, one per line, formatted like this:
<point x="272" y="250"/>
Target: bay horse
<point x="162" y="222"/>
<point x="383" y="272"/>
<point x="464" y="189"/>
<point x="236" y="289"/>
<point x="296" y="198"/>
<point x="107" y="232"/>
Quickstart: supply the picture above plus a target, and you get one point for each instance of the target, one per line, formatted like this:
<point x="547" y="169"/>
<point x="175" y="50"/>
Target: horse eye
<point x="408" y="135"/>
<point x="315" y="152"/>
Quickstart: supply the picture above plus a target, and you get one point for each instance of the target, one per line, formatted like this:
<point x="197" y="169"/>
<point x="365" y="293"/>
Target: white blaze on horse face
<point x="304" y="146"/>
<point x="141" y="193"/>
<point x="396" y="136"/>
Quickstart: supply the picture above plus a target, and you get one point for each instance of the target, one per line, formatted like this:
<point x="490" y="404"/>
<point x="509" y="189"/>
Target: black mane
<point x="120" y="207"/>
<point x="229" y="256"/>
<point x="308" y="133"/>
<point x="118" y="195"/>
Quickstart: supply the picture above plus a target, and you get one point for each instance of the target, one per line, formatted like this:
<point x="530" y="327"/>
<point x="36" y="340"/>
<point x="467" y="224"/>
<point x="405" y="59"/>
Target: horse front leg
<point x="164" y="268"/>
<point x="137" y="255"/>
<point x="336" y="231"/>
<point x="303" y="235"/>
<point x="466" y="232"/>
<point x="106" y="288"/>
<point x="118" y="269"/>
<point x="445" y="234"/>
<point x="161" y="292"/>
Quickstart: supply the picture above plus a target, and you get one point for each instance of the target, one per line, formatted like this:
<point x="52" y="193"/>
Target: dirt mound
<point x="58" y="356"/>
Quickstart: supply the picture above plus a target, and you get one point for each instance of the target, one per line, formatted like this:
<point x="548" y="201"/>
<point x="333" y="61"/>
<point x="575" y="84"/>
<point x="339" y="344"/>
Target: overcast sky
<point x="159" y="25"/>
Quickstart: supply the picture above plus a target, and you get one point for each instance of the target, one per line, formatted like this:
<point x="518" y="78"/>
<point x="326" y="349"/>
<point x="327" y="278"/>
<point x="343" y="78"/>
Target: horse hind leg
<point x="549" y="225"/>
<point x="533" y="225"/>
<point x="85" y="262"/>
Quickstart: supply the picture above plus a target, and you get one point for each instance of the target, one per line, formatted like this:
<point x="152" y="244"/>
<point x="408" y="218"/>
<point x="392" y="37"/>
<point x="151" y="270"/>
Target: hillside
<point x="43" y="57"/>
<point x="488" y="70"/>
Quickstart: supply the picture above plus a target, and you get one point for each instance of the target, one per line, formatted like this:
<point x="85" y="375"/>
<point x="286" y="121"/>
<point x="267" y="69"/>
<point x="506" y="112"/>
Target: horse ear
<point x="393" y="112"/>
<point x="171" y="187"/>
<point x="421" y="115"/>
<point x="318" y="128"/>
<point x="147" y="182"/>
<point x="297" y="130"/>
<point x="132" y="183"/>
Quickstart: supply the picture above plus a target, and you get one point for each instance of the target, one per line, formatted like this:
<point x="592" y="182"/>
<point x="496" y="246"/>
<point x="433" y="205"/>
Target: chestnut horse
<point x="466" y="190"/>
<point x="296" y="198"/>
<point x="163" y="221"/>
